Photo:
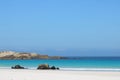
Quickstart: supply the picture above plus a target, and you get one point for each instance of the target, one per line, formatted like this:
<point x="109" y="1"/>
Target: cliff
<point x="24" y="55"/>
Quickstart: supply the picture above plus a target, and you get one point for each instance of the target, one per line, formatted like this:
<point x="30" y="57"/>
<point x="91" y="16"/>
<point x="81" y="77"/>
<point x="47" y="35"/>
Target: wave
<point x="5" y="68"/>
<point x="77" y="69"/>
<point x="91" y="69"/>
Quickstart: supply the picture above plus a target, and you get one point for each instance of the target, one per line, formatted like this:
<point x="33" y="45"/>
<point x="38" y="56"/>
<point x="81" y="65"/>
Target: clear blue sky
<point x="61" y="27"/>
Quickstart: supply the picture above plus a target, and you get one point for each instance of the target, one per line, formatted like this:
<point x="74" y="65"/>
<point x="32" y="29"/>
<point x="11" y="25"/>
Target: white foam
<point x="76" y="69"/>
<point x="4" y="67"/>
<point x="91" y="69"/>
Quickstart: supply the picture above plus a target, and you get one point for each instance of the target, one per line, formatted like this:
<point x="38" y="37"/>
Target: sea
<point x="71" y="64"/>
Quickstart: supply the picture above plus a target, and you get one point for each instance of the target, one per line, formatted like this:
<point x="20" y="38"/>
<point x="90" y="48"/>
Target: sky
<point x="61" y="27"/>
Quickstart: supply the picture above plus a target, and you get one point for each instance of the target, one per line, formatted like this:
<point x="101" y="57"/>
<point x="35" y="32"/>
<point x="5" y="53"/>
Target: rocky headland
<point x="25" y="55"/>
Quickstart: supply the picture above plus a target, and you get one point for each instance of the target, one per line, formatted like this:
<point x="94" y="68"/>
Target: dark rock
<point x="46" y="66"/>
<point x="58" y="68"/>
<point x="17" y="67"/>
<point x="53" y="68"/>
<point x="43" y="66"/>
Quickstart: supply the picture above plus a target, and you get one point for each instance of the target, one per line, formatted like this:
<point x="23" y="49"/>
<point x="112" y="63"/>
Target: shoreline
<point x="27" y="74"/>
<point x="77" y="69"/>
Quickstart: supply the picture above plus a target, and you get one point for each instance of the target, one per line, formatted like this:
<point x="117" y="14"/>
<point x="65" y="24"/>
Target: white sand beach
<point x="10" y="74"/>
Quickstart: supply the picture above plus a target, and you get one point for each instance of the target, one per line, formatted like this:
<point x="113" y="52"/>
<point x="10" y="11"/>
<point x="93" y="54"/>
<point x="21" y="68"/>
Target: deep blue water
<point x="79" y="63"/>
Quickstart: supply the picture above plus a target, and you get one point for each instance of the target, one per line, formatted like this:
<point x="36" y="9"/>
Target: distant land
<point x="11" y="55"/>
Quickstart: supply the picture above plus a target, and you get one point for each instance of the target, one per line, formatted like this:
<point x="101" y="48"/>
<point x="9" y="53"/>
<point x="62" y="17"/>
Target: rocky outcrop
<point x="46" y="66"/>
<point x="24" y="55"/>
<point x="54" y="68"/>
<point x="43" y="66"/>
<point x="17" y="67"/>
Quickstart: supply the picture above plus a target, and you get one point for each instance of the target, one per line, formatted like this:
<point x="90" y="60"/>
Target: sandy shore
<point x="10" y="74"/>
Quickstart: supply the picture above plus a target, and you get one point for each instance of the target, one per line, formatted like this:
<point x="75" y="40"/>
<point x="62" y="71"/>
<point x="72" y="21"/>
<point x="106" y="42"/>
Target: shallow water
<point x="112" y="64"/>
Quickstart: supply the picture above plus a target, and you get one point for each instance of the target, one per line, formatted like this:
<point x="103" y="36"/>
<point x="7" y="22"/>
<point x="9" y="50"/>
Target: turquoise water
<point x="71" y="64"/>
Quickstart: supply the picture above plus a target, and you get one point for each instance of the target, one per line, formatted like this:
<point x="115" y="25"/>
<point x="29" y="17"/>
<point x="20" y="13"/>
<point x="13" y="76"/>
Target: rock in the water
<point x="57" y="68"/>
<point x="46" y="66"/>
<point x="43" y="66"/>
<point x="17" y="67"/>
<point x="53" y="68"/>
